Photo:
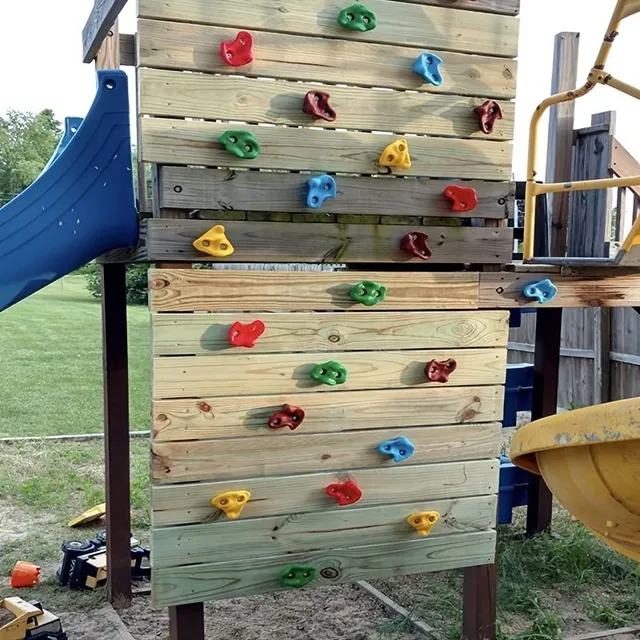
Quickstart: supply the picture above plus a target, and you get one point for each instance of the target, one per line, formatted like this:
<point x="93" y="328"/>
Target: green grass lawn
<point x="51" y="363"/>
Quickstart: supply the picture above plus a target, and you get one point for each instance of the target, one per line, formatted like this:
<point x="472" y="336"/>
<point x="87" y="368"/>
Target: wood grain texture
<point x="283" y="495"/>
<point x="172" y="240"/>
<point x="250" y="538"/>
<point x="168" y="141"/>
<point x="507" y="7"/>
<point x="204" y="582"/>
<point x="188" y="95"/>
<point x="242" y="457"/>
<point x="198" y="334"/>
<point x="414" y="25"/>
<point x="194" y="47"/>
<point x="208" y="290"/>
<point x="241" y="374"/>
<point x="234" y="417"/>
<point x="102" y="18"/>
<point x="194" y="188"/>
<point x="504" y="290"/>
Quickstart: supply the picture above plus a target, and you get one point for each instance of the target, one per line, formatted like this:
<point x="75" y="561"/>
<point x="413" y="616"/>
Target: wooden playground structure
<point x="385" y="376"/>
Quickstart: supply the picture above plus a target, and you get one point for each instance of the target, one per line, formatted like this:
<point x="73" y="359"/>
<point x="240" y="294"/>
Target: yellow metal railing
<point x="597" y="75"/>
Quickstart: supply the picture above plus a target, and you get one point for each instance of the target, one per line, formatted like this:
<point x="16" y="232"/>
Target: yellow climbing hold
<point x="231" y="502"/>
<point x="214" y="243"/>
<point x="396" y="155"/>
<point x="424" y="521"/>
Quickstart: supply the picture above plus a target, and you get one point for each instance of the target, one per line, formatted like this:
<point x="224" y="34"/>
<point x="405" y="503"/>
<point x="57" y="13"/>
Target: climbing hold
<point x="241" y="144"/>
<point x="487" y="114"/>
<point x="296" y="575"/>
<point x="357" y="18"/>
<point x="542" y="291"/>
<point x="231" y="503"/>
<point x="214" y="243"/>
<point x="331" y="373"/>
<point x="427" y="65"/>
<point x="397" y="448"/>
<point x="345" y="493"/>
<point x="416" y="243"/>
<point x="319" y="188"/>
<point x="440" y="371"/>
<point x="396" y="155"/>
<point x="316" y="104"/>
<point x="462" y="198"/>
<point x="368" y="293"/>
<point x="239" y="52"/>
<point x="424" y="521"/>
<point x="245" y="335"/>
<point x="288" y="416"/>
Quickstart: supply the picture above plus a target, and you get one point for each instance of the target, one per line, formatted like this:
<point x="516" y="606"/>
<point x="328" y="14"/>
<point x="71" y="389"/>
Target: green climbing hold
<point x="331" y="373"/>
<point x="241" y="143"/>
<point x="368" y="293"/>
<point x="357" y="18"/>
<point x="296" y="575"/>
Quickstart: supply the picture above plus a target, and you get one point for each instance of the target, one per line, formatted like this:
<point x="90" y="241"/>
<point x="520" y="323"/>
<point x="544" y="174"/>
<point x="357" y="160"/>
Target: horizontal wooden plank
<point x="304" y="532"/>
<point x="282" y="495"/>
<point x="242" y="457"/>
<point x="447" y="29"/>
<point x="209" y="290"/>
<point x="504" y="290"/>
<point x="194" y="47"/>
<point x="197" y="188"/>
<point x="127" y="50"/>
<point x="247" y="374"/>
<point x="198" y="334"/>
<point x="169" y="141"/>
<point x="234" y="417"/>
<point x="172" y="240"/>
<point x="195" y="95"/>
<point x="507" y="7"/>
<point x="203" y="582"/>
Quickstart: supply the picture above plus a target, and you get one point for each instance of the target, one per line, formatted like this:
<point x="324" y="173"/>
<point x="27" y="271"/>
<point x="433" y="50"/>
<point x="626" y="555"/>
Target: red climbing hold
<point x="345" y="493"/>
<point x="488" y="113"/>
<point x="316" y="104"/>
<point x="462" y="198"/>
<point x="288" y="416"/>
<point x="245" y="335"/>
<point x="440" y="371"/>
<point x="417" y="244"/>
<point x="239" y="52"/>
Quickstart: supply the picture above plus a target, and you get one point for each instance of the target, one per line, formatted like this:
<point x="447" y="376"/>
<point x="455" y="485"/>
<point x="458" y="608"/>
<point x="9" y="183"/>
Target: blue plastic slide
<point x="82" y="204"/>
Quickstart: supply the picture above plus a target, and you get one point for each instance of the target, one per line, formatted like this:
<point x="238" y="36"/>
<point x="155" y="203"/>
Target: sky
<point x="41" y="61"/>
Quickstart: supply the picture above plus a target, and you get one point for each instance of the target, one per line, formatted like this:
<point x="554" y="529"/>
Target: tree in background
<point x="27" y="141"/>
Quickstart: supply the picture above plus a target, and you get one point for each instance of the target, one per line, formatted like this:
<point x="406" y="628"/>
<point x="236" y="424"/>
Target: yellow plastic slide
<point x="590" y="460"/>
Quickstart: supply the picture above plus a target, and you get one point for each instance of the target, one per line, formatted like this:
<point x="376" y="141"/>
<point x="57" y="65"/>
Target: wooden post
<point x="186" y="622"/>
<point x="479" y="592"/>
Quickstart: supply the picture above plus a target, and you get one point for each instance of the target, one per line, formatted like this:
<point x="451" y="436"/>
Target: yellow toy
<point x="424" y="521"/>
<point x="214" y="243"/>
<point x="231" y="503"/>
<point x="396" y="155"/>
<point x="30" y="621"/>
<point x="590" y="459"/>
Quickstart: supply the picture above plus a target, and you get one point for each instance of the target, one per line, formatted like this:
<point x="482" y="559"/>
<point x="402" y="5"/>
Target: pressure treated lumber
<point x="193" y="47"/>
<point x="247" y="374"/>
<point x="204" y="582"/>
<point x="102" y="18"/>
<point x="403" y="23"/>
<point x="241" y="457"/>
<point x="205" y="290"/>
<point x="307" y="242"/>
<point x="200" y="334"/>
<point x="507" y="7"/>
<point x="182" y="95"/>
<point x="281" y="495"/>
<point x="224" y="190"/>
<point x="169" y="141"/>
<point x="251" y="537"/>
<point x="236" y="417"/>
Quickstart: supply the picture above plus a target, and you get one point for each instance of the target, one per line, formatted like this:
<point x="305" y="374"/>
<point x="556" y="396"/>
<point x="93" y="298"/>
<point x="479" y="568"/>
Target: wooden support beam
<point x="479" y="593"/>
<point x="102" y="17"/>
<point x="186" y="622"/>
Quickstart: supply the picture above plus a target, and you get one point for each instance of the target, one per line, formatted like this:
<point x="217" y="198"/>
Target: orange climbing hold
<point x="231" y="503"/>
<point x="396" y="155"/>
<point x="424" y="521"/>
<point x="214" y="243"/>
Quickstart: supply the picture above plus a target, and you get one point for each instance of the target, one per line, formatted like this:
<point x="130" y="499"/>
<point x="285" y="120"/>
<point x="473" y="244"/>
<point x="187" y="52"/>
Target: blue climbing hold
<point x="397" y="448"/>
<point x="427" y="65"/>
<point x="543" y="291"/>
<point x="319" y="188"/>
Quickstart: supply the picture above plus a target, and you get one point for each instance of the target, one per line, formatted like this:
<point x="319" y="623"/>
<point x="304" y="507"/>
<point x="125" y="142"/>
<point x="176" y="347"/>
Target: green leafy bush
<point x="137" y="287"/>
